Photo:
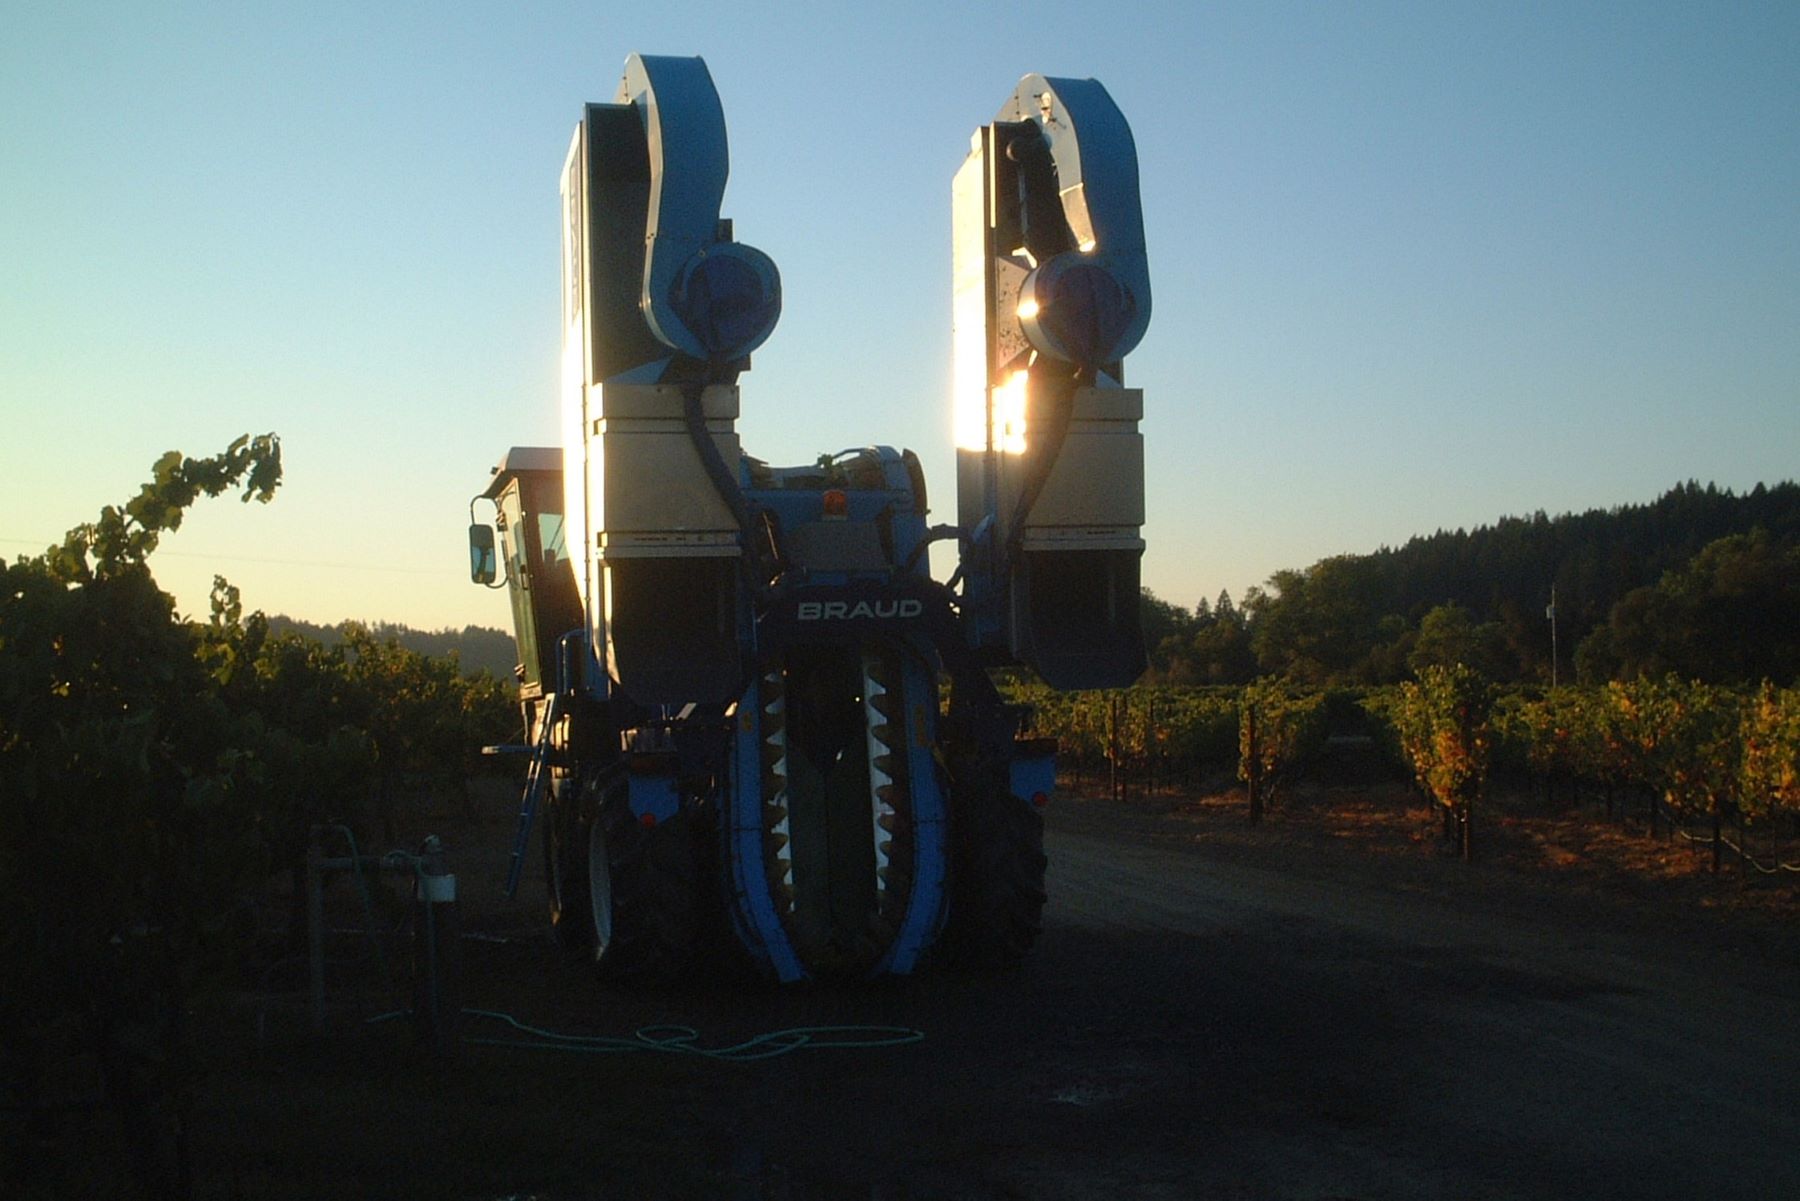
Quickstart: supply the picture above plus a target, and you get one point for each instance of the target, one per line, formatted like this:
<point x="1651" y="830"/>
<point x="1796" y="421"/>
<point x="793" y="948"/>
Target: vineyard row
<point x="1707" y="752"/>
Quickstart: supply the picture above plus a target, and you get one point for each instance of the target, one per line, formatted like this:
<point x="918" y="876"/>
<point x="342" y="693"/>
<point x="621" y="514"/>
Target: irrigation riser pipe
<point x="437" y="933"/>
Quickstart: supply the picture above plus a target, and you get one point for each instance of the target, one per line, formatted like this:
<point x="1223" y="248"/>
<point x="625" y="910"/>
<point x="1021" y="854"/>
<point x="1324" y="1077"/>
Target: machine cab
<point x="527" y="494"/>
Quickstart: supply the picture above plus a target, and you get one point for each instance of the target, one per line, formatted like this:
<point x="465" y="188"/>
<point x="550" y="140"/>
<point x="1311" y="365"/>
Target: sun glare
<point x="1009" y="413"/>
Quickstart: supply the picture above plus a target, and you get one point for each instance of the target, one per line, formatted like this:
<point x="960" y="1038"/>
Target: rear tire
<point x="647" y="920"/>
<point x="997" y="877"/>
<point x="567" y="875"/>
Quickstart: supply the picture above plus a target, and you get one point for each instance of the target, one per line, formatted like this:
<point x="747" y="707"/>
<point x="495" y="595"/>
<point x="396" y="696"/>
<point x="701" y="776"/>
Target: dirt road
<point x="1338" y="1040"/>
<point x="1196" y="1023"/>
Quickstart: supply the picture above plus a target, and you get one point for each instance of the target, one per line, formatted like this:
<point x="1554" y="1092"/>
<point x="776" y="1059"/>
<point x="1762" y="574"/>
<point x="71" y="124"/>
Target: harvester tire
<point x="649" y="925"/>
<point x="566" y="877"/>
<point x="997" y="879"/>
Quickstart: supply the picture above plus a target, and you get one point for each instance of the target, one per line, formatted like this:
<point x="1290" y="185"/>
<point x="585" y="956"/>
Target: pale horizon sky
<point x="1416" y="266"/>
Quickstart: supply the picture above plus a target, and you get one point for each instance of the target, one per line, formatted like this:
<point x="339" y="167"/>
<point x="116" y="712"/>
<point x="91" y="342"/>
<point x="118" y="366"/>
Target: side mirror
<point x="482" y="565"/>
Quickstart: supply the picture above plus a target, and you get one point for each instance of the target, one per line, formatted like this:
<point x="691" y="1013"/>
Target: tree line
<point x="475" y="648"/>
<point x="1700" y="582"/>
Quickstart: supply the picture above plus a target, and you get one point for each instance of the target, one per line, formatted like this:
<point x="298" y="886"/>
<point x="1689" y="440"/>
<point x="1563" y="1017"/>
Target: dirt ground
<point x="1529" y="851"/>
<point x="1323" y="1006"/>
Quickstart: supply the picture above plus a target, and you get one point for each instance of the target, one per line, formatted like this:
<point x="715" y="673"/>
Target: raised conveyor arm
<point x="1052" y="292"/>
<point x="704" y="295"/>
<point x="661" y="311"/>
<point x="1087" y="301"/>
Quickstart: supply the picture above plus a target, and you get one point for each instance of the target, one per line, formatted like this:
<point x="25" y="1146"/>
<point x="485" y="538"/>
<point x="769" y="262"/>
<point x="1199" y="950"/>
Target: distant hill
<point x="1634" y="575"/>
<point x="478" y="648"/>
<point x="1593" y="559"/>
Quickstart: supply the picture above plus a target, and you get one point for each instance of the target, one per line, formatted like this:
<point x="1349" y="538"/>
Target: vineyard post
<point x="1478" y="786"/>
<point x="315" y="933"/>
<point x="1112" y="746"/>
<point x="1253" y="758"/>
<point x="1151" y="750"/>
<point x="1072" y="759"/>
<point x="1125" y="755"/>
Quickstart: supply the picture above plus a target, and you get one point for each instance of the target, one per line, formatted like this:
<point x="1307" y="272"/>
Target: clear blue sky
<point x="1416" y="266"/>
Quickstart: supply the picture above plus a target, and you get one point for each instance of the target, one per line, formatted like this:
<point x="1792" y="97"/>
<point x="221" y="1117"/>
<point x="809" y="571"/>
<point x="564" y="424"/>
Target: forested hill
<point x="477" y="647"/>
<point x="1634" y="594"/>
<point x="1593" y="559"/>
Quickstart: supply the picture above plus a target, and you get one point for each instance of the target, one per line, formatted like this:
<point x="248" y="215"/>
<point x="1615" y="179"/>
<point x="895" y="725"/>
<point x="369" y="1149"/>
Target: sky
<point x="1415" y="266"/>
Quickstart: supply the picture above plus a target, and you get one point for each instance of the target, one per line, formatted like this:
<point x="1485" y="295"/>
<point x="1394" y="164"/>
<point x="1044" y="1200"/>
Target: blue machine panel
<point x="1033" y="774"/>
<point x="653" y="797"/>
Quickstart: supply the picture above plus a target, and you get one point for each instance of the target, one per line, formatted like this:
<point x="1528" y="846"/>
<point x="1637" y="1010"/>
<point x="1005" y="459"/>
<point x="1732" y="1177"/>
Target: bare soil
<point x="1322" y="1006"/>
<point x="1527" y="850"/>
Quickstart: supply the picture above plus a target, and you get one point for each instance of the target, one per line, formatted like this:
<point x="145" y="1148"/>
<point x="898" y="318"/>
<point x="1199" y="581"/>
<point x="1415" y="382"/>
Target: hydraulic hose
<point x="763" y="556"/>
